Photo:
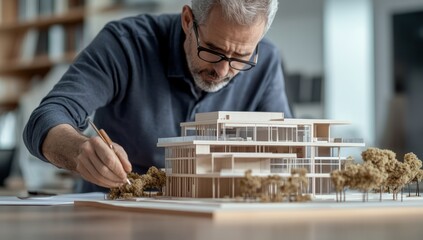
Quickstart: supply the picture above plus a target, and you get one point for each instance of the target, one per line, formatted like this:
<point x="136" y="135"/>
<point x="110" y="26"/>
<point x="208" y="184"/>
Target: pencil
<point x="103" y="135"/>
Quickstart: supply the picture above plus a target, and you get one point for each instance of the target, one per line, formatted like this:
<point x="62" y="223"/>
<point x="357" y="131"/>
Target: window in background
<point x="406" y="114"/>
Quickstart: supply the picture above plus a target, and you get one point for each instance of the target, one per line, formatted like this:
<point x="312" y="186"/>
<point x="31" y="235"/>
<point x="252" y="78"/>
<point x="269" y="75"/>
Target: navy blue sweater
<point x="134" y="75"/>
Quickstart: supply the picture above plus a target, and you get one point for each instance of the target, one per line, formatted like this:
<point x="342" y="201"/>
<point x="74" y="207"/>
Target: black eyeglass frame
<point x="248" y="64"/>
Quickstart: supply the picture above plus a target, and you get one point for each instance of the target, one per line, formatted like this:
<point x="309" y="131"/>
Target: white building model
<point x="213" y="153"/>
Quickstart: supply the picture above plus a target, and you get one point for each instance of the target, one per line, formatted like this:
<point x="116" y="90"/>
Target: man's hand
<point x="92" y="158"/>
<point x="99" y="164"/>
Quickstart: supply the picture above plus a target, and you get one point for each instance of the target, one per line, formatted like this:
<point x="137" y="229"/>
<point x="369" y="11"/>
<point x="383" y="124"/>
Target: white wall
<point x="348" y="54"/>
<point x="298" y="32"/>
<point x="96" y="21"/>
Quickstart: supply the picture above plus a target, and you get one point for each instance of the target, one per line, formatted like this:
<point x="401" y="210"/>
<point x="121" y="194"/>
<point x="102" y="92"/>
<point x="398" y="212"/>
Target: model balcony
<point x="339" y="140"/>
<point x="249" y="139"/>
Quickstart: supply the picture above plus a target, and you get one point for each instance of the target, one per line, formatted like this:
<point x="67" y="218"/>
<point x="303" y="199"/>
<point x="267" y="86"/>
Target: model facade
<point x="212" y="154"/>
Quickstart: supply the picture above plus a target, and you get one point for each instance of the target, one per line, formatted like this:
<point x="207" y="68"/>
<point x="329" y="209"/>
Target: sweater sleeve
<point x="92" y="81"/>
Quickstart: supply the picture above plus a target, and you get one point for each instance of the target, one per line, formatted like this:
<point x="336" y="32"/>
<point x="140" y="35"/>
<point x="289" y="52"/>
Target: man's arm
<point x="92" y="158"/>
<point x="97" y="77"/>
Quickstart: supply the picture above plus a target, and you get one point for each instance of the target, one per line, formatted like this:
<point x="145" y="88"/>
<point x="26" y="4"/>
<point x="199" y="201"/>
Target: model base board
<point x="322" y="208"/>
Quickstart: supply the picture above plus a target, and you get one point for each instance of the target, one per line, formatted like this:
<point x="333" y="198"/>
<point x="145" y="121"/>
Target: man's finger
<point x="88" y="172"/>
<point x="123" y="157"/>
<point x="109" y="162"/>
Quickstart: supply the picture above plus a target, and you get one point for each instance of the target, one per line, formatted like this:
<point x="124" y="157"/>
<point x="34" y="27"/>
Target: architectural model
<point x="211" y="156"/>
<point x="223" y="156"/>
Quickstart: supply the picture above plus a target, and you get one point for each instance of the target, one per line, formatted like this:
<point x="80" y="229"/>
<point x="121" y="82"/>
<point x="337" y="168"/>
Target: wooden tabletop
<point x="72" y="222"/>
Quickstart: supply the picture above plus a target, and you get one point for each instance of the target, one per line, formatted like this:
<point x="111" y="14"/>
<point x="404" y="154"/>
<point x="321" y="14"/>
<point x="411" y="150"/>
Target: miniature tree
<point x="291" y="188"/>
<point x="270" y="186"/>
<point x="158" y="180"/>
<point x="363" y="177"/>
<point x="126" y="191"/>
<point x="339" y="182"/>
<point x="138" y="185"/>
<point x="250" y="185"/>
<point x="300" y="174"/>
<point x="341" y="178"/>
<point x="154" y="178"/>
<point x="149" y="183"/>
<point x="415" y="164"/>
<point x="418" y="178"/>
<point x="275" y="188"/>
<point x="384" y="160"/>
<point x="397" y="178"/>
<point x="349" y="175"/>
<point x="350" y="160"/>
<point x="367" y="178"/>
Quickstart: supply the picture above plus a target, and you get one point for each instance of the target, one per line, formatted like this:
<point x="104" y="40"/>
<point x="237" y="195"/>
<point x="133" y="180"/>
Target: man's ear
<point x="186" y="19"/>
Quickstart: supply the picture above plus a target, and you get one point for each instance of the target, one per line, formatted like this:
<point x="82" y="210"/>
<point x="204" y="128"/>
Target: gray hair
<point x="244" y="12"/>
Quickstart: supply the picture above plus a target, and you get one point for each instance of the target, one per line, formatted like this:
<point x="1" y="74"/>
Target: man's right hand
<point x="91" y="157"/>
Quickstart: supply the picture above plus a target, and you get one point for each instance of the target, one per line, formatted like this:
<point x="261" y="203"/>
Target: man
<point x="144" y="75"/>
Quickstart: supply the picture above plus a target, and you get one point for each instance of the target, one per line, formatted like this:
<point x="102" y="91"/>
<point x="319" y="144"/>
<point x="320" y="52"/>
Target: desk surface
<point x="71" y="222"/>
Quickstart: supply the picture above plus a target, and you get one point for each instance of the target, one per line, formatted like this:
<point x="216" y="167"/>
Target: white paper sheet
<point x="62" y="199"/>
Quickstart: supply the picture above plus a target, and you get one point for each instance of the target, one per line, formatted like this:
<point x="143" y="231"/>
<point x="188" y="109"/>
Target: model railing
<point x="339" y="140"/>
<point x="186" y="139"/>
<point x="285" y="165"/>
<point x="234" y="138"/>
<point x="350" y="140"/>
<point x="204" y="138"/>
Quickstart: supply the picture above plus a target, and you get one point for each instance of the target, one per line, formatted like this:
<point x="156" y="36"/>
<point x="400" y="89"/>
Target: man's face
<point x="229" y="39"/>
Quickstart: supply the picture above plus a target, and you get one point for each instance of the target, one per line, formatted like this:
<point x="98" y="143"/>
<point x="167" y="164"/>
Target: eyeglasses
<point x="212" y="56"/>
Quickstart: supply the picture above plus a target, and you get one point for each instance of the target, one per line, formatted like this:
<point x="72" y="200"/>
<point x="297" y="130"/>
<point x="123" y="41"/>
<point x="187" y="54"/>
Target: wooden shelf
<point x="23" y="38"/>
<point x="38" y="64"/>
<point x="72" y="16"/>
<point x="123" y="6"/>
<point x="8" y="105"/>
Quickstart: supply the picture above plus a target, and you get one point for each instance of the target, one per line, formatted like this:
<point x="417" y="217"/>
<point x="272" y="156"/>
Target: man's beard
<point x="210" y="86"/>
<point x="216" y="82"/>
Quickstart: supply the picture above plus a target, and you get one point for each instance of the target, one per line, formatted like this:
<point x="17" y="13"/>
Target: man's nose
<point x="222" y="68"/>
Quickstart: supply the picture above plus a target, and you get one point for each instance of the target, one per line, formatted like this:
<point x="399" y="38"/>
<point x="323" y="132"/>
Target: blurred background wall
<point x="354" y="60"/>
